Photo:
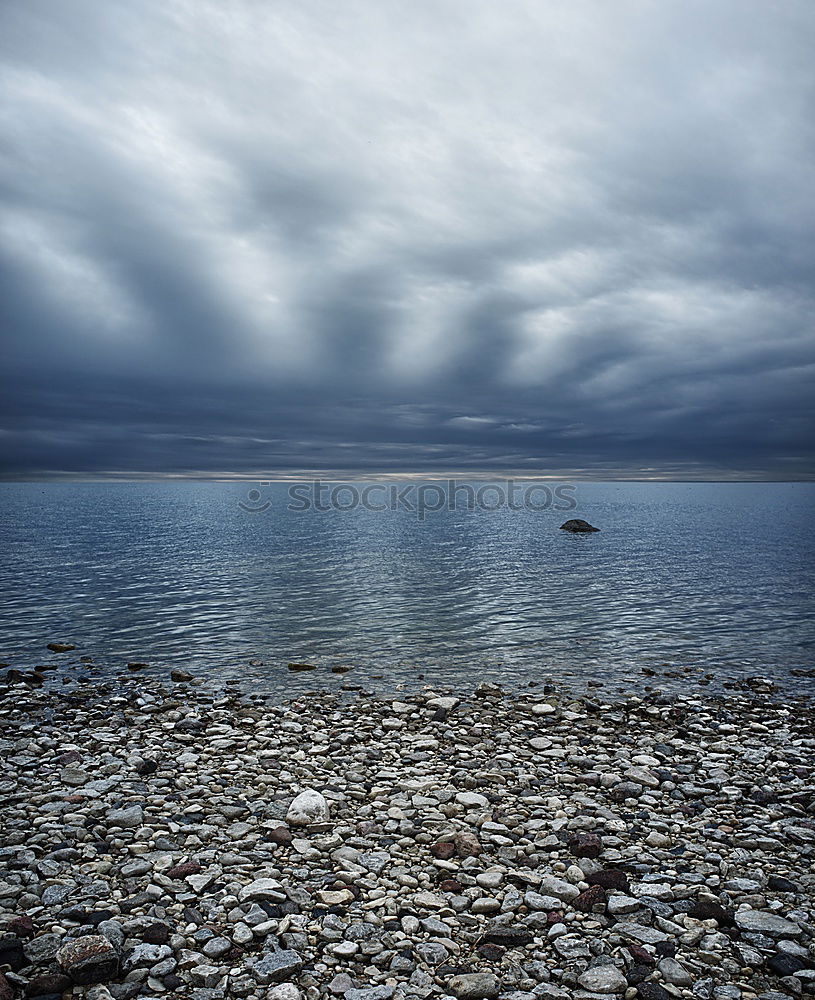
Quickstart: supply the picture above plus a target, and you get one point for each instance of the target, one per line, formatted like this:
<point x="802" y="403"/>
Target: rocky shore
<point x="162" y="837"/>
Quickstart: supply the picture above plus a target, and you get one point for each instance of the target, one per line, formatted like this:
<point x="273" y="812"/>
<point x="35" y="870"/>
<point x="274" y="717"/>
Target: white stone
<point x="242" y="934"/>
<point x="262" y="888"/>
<point x="550" y="885"/>
<point x="472" y="800"/>
<point x="284" y="991"/>
<point x="307" y="808"/>
<point x="572" y="946"/>
<point x="656" y="890"/>
<point x="490" y="880"/>
<point x="642" y="776"/>
<point x="446" y="703"/>
<point x="619" y="903"/>
<point x="430" y="900"/>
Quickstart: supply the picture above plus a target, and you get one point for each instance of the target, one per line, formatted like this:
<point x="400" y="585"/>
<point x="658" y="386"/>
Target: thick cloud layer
<point x="244" y="237"/>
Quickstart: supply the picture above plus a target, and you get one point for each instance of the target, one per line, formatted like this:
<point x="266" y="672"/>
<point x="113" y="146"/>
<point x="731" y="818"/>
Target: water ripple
<point x="690" y="575"/>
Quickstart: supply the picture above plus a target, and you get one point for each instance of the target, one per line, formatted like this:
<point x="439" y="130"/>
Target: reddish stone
<point x="157" y="933"/>
<point x="467" y="844"/>
<point x="87" y="960"/>
<point x="183" y="870"/>
<point x="451" y="885"/>
<point x="50" y="984"/>
<point x="443" y="849"/>
<point x="5" y="988"/>
<point x="639" y="954"/>
<point x="595" y="896"/>
<point x="280" y="835"/>
<point x="22" y="926"/>
<point x="586" y="845"/>
<point x="610" y="878"/>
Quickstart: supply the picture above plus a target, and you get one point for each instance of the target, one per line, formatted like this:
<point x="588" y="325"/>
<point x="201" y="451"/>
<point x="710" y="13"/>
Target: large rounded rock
<point x="308" y="808"/>
<point x="89" y="959"/>
<point x="578" y="526"/>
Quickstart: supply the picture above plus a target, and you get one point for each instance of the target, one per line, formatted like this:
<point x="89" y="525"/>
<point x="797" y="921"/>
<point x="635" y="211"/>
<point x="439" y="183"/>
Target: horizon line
<point x="336" y="476"/>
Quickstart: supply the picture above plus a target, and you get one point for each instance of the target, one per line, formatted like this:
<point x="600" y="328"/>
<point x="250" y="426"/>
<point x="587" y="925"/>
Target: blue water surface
<point x="710" y="578"/>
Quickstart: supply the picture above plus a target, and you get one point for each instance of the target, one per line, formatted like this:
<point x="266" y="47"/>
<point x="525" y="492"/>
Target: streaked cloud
<point x="240" y="237"/>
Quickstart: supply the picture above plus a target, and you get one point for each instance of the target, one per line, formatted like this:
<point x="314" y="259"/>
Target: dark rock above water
<point x="578" y="526"/>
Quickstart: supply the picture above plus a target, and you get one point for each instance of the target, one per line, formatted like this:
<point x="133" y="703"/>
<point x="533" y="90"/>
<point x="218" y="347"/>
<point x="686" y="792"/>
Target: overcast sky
<point x="244" y="237"/>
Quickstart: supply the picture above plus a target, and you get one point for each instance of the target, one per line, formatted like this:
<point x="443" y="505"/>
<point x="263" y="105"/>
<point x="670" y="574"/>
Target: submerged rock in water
<point x="299" y="667"/>
<point x="577" y="525"/>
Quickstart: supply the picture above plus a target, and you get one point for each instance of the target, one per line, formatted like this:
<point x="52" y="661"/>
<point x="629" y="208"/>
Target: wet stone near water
<point x="476" y="845"/>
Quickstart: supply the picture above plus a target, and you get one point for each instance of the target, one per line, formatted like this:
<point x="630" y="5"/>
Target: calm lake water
<point x="714" y="578"/>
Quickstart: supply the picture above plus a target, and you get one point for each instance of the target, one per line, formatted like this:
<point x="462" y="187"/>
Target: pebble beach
<point x="161" y="836"/>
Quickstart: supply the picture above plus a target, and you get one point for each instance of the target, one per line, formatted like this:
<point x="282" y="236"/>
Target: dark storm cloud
<point x="243" y="238"/>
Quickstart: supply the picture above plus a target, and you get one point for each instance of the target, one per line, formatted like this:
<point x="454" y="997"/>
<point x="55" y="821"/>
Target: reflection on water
<point x="710" y="576"/>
